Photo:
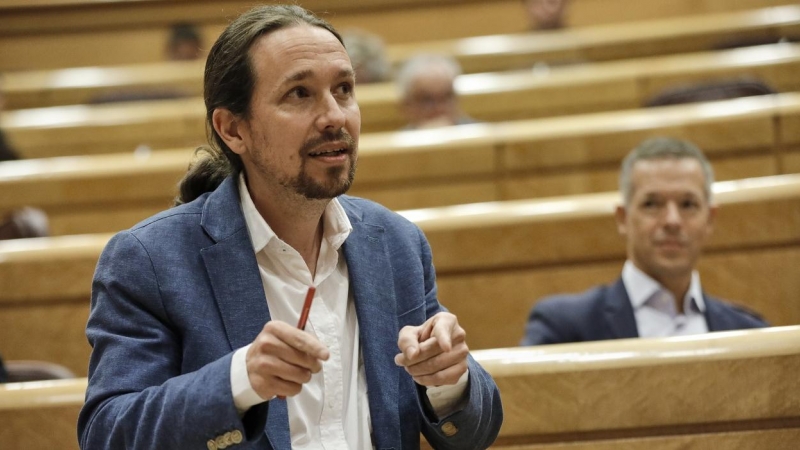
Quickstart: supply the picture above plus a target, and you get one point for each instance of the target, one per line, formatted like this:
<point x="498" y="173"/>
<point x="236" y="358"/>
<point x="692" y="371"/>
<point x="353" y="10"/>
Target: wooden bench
<point x="122" y="127"/>
<point x="724" y="391"/>
<point x="477" y="54"/>
<point x="51" y="35"/>
<point x="504" y="161"/>
<point x="493" y="261"/>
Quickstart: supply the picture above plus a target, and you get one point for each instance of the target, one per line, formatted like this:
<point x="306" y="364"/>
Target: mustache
<point x="329" y="136"/>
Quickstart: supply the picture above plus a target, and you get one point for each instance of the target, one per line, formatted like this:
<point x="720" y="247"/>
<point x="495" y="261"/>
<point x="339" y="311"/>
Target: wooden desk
<point x="42" y="88"/>
<point x="122" y="127"/>
<point x="678" y="393"/>
<point x="88" y="33"/>
<point x="477" y="163"/>
<point x="505" y="254"/>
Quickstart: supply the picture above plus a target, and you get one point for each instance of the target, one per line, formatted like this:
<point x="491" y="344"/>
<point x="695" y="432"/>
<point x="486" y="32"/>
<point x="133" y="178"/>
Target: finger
<point x="441" y="361"/>
<point x="426" y="328"/>
<point x="408" y="341"/>
<point x="443" y="329"/>
<point x="425" y="350"/>
<point x="298" y="339"/>
<point x="445" y="377"/>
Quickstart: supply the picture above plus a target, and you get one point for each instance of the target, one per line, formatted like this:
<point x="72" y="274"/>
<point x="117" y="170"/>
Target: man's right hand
<point x="282" y="358"/>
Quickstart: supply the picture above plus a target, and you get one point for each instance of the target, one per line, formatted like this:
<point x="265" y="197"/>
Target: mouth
<point x="331" y="152"/>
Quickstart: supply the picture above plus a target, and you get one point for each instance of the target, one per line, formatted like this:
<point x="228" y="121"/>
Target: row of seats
<point x="56" y="35"/>
<point x="746" y="137"/>
<point x="752" y="257"/>
<point x="729" y="391"/>
<point x="122" y="127"/>
<point x="27" y="89"/>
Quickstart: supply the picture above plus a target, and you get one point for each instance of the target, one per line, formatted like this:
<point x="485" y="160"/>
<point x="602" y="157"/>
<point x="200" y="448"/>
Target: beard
<point x="337" y="180"/>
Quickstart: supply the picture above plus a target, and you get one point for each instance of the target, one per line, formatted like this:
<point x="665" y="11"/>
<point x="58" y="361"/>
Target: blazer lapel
<point x="619" y="321"/>
<point x="233" y="273"/>
<point x="370" y="272"/>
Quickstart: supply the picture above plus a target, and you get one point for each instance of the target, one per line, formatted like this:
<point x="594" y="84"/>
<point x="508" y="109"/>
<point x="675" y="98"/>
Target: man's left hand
<point x="434" y="353"/>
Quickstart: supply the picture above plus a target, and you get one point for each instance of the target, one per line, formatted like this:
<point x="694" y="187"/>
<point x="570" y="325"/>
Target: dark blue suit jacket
<point x="173" y="297"/>
<point x="606" y="312"/>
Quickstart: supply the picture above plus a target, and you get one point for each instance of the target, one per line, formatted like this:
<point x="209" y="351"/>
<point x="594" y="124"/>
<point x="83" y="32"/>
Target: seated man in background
<point x="667" y="216"/>
<point x="184" y="43"/>
<point x="545" y="14"/>
<point x="368" y="54"/>
<point x="427" y="92"/>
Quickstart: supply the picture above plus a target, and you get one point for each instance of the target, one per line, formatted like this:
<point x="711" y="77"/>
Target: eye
<point x="344" y="89"/>
<point x="690" y="204"/>
<point x="650" y="203"/>
<point x="299" y="92"/>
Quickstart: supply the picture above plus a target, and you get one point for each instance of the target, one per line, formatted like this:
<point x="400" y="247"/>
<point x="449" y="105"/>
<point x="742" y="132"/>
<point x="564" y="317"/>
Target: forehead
<point x="297" y="48"/>
<point x="668" y="176"/>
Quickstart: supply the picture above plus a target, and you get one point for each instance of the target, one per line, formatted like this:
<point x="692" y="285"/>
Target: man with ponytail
<point x="194" y="311"/>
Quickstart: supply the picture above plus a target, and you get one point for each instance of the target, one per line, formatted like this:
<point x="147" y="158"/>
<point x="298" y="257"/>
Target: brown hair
<point x="228" y="83"/>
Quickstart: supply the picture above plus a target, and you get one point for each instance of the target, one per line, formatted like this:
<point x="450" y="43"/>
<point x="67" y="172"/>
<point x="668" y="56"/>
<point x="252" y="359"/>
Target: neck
<point x="296" y="221"/>
<point x="678" y="286"/>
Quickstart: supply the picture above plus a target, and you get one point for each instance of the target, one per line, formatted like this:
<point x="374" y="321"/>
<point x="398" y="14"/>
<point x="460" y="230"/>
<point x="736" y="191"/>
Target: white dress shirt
<point x="332" y="410"/>
<point x="654" y="306"/>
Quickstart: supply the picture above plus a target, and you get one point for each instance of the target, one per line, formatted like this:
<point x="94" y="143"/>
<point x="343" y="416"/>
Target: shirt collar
<point x="641" y="287"/>
<point x="335" y="229"/>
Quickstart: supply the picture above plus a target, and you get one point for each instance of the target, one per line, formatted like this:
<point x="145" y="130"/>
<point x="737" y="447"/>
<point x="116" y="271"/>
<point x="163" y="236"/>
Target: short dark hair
<point x="663" y="148"/>
<point x="228" y="83"/>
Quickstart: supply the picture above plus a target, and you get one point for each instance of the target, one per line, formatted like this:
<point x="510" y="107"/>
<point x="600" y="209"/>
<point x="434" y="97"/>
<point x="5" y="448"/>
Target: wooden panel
<point x="679" y="393"/>
<point x="741" y="440"/>
<point x="40" y="428"/>
<point x="48" y="331"/>
<point x="479" y="54"/>
<point x="80" y="129"/>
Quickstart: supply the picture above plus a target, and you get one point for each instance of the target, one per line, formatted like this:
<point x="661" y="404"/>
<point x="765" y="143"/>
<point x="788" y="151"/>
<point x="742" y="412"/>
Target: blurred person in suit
<point x="667" y="215"/>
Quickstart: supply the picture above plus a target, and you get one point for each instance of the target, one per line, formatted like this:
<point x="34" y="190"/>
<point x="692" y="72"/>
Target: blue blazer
<point x="173" y="297"/>
<point x="606" y="312"/>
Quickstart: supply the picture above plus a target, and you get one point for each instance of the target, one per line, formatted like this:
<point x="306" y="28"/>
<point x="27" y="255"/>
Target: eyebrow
<point x="303" y="74"/>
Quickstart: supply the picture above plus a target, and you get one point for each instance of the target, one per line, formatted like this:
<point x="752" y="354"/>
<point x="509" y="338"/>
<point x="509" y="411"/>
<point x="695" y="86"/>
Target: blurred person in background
<point x="368" y="54"/>
<point x="427" y="92"/>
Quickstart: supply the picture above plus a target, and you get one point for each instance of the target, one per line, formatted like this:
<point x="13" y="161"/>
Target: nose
<point x="331" y="117"/>
<point x="673" y="215"/>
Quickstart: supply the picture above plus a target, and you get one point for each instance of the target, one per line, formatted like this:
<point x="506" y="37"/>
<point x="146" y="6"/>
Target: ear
<point x="231" y="129"/>
<point x="621" y="214"/>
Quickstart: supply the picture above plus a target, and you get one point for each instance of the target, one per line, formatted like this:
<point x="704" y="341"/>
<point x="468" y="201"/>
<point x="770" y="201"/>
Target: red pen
<point x="301" y="324"/>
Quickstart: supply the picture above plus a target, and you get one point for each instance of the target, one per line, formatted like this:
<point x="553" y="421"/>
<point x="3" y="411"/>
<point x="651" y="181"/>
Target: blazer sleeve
<point x="137" y="397"/>
<point x="478" y="421"/>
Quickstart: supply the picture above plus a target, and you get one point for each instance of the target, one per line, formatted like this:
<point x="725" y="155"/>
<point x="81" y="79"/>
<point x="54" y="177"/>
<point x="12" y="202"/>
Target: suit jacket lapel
<point x="619" y="321"/>
<point x="372" y="285"/>
<point x="233" y="273"/>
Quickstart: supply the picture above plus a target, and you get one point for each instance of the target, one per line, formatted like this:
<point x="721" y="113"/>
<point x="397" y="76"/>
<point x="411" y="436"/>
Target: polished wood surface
<point x="636" y="394"/>
<point x="476" y="163"/>
<point x="493" y="261"/>
<point x="122" y="127"/>
<point x="108" y="33"/>
<point x="28" y="89"/>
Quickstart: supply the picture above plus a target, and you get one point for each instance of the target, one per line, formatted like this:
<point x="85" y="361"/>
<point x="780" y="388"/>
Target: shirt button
<point x="449" y="429"/>
<point x="236" y="437"/>
<point x="211" y="444"/>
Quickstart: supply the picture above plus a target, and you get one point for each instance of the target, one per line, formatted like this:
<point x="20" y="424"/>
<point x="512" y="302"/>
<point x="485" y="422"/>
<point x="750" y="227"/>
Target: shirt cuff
<point x="244" y="397"/>
<point x="444" y="399"/>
